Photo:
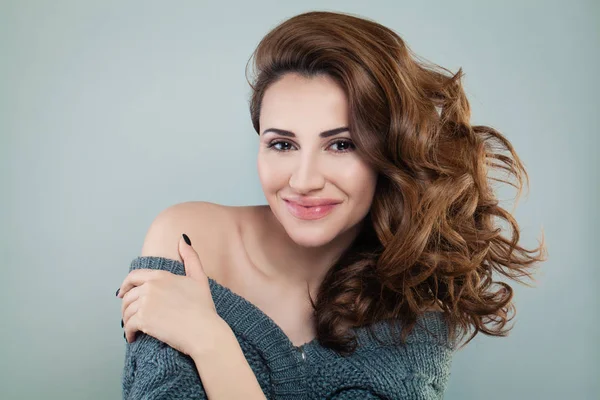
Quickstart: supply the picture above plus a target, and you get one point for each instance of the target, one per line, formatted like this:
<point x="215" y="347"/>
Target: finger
<point x="132" y="295"/>
<point x="131" y="321"/>
<point x="191" y="260"/>
<point x="137" y="277"/>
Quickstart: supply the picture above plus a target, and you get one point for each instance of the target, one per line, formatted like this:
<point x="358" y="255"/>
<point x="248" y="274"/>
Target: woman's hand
<point x="178" y="310"/>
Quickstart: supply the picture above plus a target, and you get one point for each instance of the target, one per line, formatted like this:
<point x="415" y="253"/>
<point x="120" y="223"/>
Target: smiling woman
<point x="375" y="252"/>
<point x="313" y="165"/>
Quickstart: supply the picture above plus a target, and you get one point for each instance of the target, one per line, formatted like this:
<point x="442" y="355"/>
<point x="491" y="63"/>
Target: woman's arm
<point x="224" y="370"/>
<point x="155" y="371"/>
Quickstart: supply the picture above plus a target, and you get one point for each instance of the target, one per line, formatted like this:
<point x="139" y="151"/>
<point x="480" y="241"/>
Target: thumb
<point x="191" y="260"/>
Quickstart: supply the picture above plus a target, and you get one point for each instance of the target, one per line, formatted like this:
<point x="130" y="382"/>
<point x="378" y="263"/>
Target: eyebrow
<point x="324" y="134"/>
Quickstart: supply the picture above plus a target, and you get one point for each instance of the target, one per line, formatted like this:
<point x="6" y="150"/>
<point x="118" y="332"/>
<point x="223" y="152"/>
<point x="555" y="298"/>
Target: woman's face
<point x="303" y="165"/>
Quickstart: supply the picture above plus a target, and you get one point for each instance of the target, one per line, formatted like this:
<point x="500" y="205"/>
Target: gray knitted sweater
<point x="419" y="370"/>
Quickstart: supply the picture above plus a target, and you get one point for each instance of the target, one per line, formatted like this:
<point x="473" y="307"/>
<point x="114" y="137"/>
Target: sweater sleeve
<point x="155" y="371"/>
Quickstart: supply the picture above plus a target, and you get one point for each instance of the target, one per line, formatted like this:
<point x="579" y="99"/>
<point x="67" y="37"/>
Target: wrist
<point x="210" y="344"/>
<point x="223" y="362"/>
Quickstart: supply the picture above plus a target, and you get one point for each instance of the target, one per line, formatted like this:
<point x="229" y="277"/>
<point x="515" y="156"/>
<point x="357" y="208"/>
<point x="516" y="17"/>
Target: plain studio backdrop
<point x="111" y="111"/>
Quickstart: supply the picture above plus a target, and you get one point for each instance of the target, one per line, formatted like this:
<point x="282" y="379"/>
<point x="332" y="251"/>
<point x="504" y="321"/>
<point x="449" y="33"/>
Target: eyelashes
<point x="348" y="143"/>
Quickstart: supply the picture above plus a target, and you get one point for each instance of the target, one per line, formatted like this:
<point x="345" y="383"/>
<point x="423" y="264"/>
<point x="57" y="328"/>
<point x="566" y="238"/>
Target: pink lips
<point x="309" y="213"/>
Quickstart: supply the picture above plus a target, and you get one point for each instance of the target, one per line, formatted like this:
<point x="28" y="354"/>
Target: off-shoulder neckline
<point x="227" y="302"/>
<point x="258" y="311"/>
<point x="252" y="308"/>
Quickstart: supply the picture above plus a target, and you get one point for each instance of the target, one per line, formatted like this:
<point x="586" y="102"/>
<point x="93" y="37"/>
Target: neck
<point x="279" y="259"/>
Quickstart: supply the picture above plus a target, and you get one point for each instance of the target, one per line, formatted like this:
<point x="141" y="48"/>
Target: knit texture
<point x="418" y="370"/>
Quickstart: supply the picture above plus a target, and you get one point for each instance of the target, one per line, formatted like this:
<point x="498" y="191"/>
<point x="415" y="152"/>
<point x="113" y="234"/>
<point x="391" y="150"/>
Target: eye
<point x="349" y="146"/>
<point x="347" y="143"/>
<point x="275" y="143"/>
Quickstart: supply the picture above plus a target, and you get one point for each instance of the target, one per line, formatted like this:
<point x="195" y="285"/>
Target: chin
<point x="310" y="240"/>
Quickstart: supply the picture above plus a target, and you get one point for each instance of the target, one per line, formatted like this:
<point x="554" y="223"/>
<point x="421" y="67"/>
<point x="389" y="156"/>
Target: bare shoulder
<point x="204" y="222"/>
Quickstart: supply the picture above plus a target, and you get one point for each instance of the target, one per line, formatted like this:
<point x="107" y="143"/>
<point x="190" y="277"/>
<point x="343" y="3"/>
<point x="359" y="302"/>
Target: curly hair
<point x="430" y="238"/>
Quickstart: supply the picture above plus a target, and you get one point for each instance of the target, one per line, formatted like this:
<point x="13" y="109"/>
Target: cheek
<point x="359" y="181"/>
<point x="271" y="177"/>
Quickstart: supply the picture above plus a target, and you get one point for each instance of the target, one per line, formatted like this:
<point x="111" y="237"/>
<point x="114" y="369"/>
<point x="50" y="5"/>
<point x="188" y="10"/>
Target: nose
<point x="306" y="176"/>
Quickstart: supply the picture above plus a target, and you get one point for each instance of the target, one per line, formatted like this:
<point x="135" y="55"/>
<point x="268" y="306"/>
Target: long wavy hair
<point x="430" y="238"/>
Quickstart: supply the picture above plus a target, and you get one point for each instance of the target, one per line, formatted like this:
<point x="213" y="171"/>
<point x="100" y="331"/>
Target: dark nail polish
<point x="124" y="336"/>
<point x="118" y="290"/>
<point x="121" y="323"/>
<point x="187" y="239"/>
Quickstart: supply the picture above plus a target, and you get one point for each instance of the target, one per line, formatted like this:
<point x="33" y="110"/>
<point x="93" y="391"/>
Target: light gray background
<point x="111" y="111"/>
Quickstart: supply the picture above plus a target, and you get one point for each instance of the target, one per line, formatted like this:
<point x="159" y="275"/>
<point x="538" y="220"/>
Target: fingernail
<point x="124" y="336"/>
<point x="121" y="323"/>
<point x="117" y="294"/>
<point x="187" y="239"/>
